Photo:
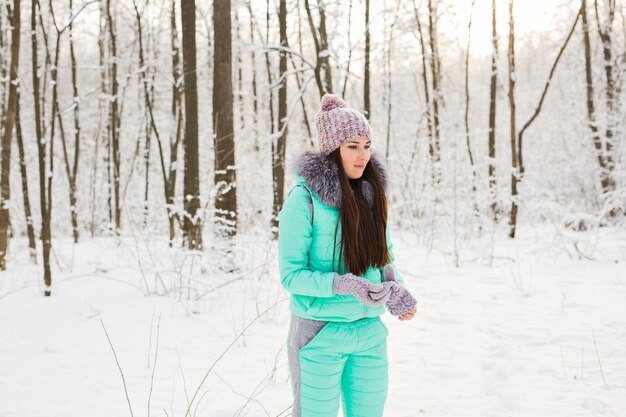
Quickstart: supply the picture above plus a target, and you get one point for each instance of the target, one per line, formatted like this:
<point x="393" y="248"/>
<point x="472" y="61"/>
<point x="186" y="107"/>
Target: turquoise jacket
<point x="305" y="253"/>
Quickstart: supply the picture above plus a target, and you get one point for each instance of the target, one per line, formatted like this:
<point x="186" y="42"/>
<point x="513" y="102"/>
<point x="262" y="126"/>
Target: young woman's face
<point x="354" y="157"/>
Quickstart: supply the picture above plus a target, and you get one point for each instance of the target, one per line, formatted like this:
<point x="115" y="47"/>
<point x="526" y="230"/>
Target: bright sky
<point x="530" y="15"/>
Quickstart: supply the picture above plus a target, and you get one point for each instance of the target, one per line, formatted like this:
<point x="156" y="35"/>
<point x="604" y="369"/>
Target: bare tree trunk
<point x="532" y="118"/>
<point x="279" y="144"/>
<point x="10" y="116"/>
<point x="305" y="118"/>
<point x="255" y="105"/>
<point x="176" y="133"/>
<point x="56" y="113"/>
<point x="435" y="66"/>
<point x="467" y="110"/>
<point x="606" y="36"/>
<point x="323" y="76"/>
<point x="389" y="48"/>
<point x="193" y="223"/>
<point x="72" y="170"/>
<point x="30" y="231"/>
<point x="520" y="135"/>
<point x="92" y="181"/>
<point x="316" y="42"/>
<point x="325" y="55"/>
<point x="513" y="128"/>
<point x="114" y="118"/>
<point x="239" y="69"/>
<point x="41" y="147"/>
<point x="104" y="134"/>
<point x="268" y="68"/>
<point x="47" y="64"/>
<point x="591" y="108"/>
<point x="366" y="78"/>
<point x="493" y="193"/>
<point x="225" y="170"/>
<point x="3" y="67"/>
<point x="345" y="80"/>
<point x="431" y="139"/>
<point x="143" y="81"/>
<point x="151" y="123"/>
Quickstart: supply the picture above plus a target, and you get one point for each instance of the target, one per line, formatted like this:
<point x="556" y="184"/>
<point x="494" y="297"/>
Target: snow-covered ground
<point x="540" y="332"/>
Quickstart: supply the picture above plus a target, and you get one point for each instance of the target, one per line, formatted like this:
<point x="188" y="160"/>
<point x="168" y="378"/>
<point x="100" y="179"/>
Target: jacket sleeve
<point x="294" y="242"/>
<point x="390" y="247"/>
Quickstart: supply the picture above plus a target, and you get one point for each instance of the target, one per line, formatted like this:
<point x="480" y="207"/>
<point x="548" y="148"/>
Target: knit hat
<point x="337" y="124"/>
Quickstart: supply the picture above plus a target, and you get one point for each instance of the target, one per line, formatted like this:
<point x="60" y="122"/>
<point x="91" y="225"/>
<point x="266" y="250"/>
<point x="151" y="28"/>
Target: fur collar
<point x="322" y="175"/>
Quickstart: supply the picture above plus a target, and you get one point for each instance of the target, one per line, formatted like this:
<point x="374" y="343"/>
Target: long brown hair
<point x="363" y="238"/>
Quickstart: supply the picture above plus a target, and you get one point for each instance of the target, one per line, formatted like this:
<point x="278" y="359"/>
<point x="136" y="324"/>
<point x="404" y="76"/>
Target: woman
<point x="335" y="259"/>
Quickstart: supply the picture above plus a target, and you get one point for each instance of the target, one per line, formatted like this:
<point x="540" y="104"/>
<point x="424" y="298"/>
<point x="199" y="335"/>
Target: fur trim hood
<point x="322" y="175"/>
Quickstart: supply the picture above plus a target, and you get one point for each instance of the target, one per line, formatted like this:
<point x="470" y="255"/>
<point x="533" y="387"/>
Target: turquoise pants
<point x="333" y="360"/>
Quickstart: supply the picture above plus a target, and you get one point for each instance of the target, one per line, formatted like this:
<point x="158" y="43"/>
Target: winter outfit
<point x="336" y="342"/>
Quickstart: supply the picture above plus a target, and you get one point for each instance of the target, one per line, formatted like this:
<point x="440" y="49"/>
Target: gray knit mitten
<point x="401" y="301"/>
<point x="384" y="294"/>
<point x="365" y="291"/>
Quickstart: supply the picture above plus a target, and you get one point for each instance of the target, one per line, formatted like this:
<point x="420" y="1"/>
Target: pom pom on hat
<point x="331" y="101"/>
<point x="340" y="125"/>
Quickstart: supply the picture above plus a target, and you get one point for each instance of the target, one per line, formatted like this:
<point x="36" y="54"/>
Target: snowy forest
<point x="147" y="147"/>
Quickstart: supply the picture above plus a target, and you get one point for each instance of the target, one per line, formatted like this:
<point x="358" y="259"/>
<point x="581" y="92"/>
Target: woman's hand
<point x="408" y="315"/>
<point x="366" y="292"/>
